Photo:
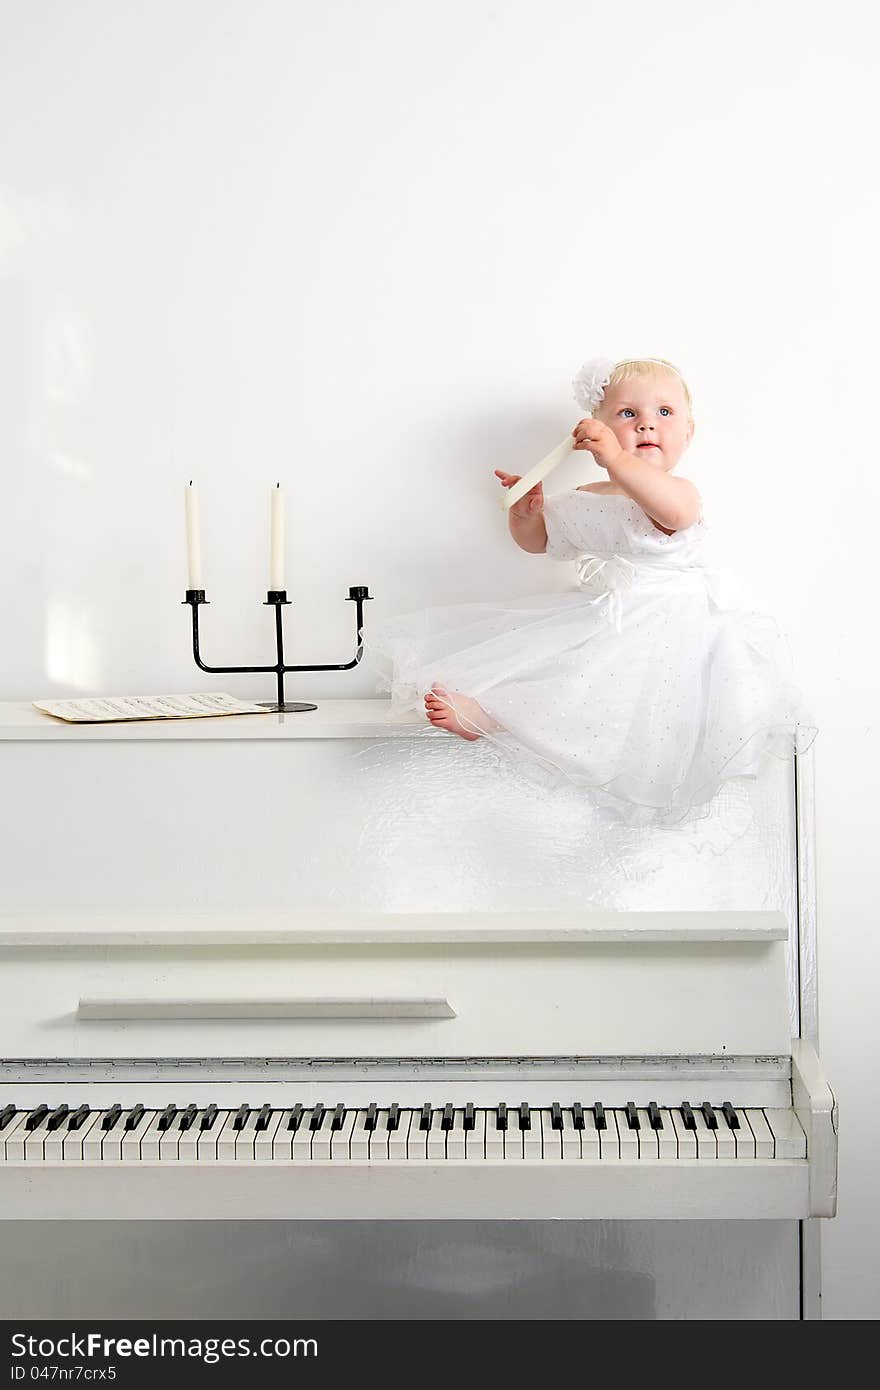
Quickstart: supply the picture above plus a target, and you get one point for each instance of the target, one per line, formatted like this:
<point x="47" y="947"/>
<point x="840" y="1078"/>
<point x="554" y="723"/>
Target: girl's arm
<point x="525" y="517"/>
<point x="673" y="502"/>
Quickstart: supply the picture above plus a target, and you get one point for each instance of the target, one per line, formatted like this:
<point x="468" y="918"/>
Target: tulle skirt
<point x="652" y="720"/>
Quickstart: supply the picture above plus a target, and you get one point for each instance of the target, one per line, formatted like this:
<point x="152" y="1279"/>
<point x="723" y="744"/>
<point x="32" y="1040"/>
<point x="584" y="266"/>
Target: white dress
<point x="647" y="683"/>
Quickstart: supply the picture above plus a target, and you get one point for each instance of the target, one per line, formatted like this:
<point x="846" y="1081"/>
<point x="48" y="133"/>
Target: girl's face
<point x="649" y="416"/>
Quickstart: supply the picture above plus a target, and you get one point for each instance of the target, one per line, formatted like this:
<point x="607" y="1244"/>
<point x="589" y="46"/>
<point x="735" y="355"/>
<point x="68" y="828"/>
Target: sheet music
<point x="112" y="708"/>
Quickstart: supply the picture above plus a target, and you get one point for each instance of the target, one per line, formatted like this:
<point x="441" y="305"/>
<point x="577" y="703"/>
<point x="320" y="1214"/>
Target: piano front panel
<point x="453" y="999"/>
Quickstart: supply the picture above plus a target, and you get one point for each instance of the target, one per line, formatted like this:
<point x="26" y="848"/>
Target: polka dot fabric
<point x="691" y="691"/>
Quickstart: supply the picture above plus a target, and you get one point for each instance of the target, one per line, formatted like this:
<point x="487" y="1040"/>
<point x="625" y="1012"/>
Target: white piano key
<point x="455" y="1138"/>
<point x="131" y="1138"/>
<point x="282" y="1139"/>
<point x="743" y="1137"/>
<point x="151" y="1139"/>
<point x="12" y="1132"/>
<point x="223" y="1137"/>
<point x="551" y="1138"/>
<point x="570" y="1138"/>
<point x="667" y="1143"/>
<point x="245" y="1139"/>
<point x="340" y="1142"/>
<point x="35" y="1139"/>
<point x="380" y="1138"/>
<point x="359" y="1142"/>
<point x="609" y="1138"/>
<point x="301" y="1149"/>
<point x="436" y="1145"/>
<point x="206" y="1149"/>
<point x="589" y="1138"/>
<point x="93" y="1136"/>
<point x="629" y="1138"/>
<point x="169" y="1143"/>
<point x="764" y="1144"/>
<point x="398" y="1139"/>
<point x="188" y="1143"/>
<point x="264" y="1139"/>
<point x="53" y="1144"/>
<point x="106" y="1145"/>
<point x="649" y="1145"/>
<point x="684" y="1137"/>
<point x="475" y="1139"/>
<point x="533" y="1138"/>
<point x="75" y="1139"/>
<point x="725" y="1141"/>
<point x="494" y="1137"/>
<point x="790" y="1140"/>
<point x="706" y="1145"/>
<point x="322" y="1136"/>
<point x="417" y="1143"/>
<point x="513" y="1137"/>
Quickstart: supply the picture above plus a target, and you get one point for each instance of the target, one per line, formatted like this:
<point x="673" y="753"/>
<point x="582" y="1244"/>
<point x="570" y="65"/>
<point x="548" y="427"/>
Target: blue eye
<point x="630" y="409"/>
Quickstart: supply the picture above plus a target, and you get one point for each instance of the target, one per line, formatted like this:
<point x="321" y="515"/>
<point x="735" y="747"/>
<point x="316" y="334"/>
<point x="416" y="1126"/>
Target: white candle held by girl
<point x="193" y="537"/>
<point x="276" y="541"/>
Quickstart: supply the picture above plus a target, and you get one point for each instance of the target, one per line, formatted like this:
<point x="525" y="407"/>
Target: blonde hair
<point x="637" y="368"/>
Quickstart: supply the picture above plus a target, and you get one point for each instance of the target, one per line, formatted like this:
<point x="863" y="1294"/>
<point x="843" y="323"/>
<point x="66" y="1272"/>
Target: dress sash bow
<point x="617" y="574"/>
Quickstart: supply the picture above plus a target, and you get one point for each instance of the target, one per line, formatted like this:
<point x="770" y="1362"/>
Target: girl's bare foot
<point x="443" y="716"/>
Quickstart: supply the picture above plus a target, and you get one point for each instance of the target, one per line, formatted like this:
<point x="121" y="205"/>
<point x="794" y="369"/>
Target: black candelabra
<point x="277" y="598"/>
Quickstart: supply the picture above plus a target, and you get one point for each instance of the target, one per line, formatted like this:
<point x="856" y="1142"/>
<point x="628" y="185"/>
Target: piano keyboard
<point x="467" y="1133"/>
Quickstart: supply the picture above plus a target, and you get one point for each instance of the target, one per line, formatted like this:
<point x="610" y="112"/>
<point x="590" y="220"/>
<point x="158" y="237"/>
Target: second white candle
<point x="276" y="540"/>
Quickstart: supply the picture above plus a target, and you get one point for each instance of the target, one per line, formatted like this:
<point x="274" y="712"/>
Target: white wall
<point x="361" y="248"/>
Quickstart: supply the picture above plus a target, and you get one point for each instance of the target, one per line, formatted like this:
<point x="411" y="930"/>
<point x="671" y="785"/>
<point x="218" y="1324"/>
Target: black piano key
<point x="501" y="1116"/>
<point x="36" y="1117"/>
<point x="370" y="1119"/>
<point x="6" y="1115"/>
<point x="241" y="1116"/>
<point x="393" y="1121"/>
<point x="632" y="1118"/>
<point x="525" y="1119"/>
<point x="58" y="1116"/>
<point x="167" y="1117"/>
<point x="687" y="1115"/>
<point x="295" y="1119"/>
<point x="425" y="1117"/>
<point x="730" y="1115"/>
<point x="188" y="1116"/>
<point x="134" y="1116"/>
<point x="263" y="1118"/>
<point x="79" y="1117"/>
<point x="556" y="1115"/>
<point x="318" y="1113"/>
<point x="338" y="1117"/>
<point x="112" y="1116"/>
<point x="654" y="1115"/>
<point x="577" y="1115"/>
<point x="709" y="1115"/>
<point x="209" y="1117"/>
<point x="470" y="1118"/>
<point x="448" y="1120"/>
<point x="599" y="1115"/>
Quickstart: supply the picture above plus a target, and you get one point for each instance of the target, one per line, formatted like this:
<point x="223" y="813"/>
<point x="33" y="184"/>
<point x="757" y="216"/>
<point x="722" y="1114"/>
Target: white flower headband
<point x="590" y="382"/>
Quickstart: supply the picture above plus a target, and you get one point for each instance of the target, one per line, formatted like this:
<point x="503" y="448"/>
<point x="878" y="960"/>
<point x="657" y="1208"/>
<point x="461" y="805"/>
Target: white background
<point x="361" y="248"/>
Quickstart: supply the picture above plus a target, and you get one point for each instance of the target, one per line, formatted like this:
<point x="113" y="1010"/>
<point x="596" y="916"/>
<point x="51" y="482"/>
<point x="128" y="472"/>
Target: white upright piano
<point x="226" y="996"/>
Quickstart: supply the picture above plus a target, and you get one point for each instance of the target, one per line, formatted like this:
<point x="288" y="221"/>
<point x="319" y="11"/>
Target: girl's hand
<point x="532" y="504"/>
<point x="601" y="441"/>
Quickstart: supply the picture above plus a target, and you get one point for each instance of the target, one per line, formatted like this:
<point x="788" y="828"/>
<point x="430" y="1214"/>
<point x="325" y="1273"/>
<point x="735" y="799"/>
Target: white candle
<point x="193" y="537"/>
<point x="538" y="473"/>
<point x="276" y="540"/>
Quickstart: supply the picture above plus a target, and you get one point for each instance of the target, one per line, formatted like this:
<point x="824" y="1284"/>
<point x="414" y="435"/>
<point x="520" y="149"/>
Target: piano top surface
<point x="332" y="719"/>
